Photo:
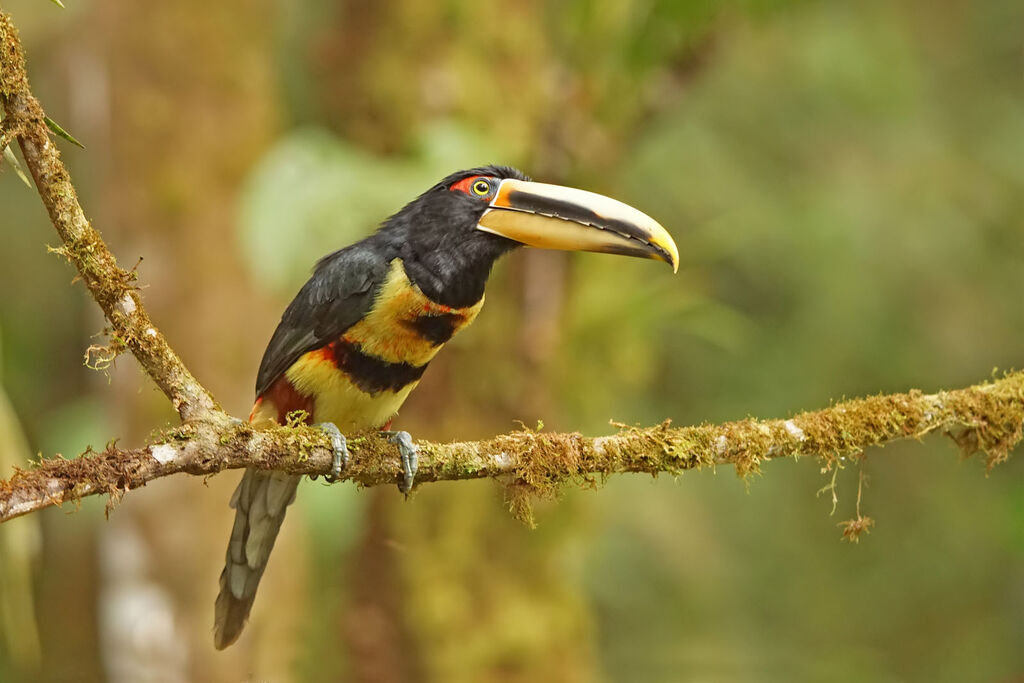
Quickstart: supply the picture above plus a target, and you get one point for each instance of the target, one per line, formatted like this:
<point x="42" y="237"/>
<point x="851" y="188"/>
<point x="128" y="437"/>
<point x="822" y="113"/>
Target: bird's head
<point x="492" y="209"/>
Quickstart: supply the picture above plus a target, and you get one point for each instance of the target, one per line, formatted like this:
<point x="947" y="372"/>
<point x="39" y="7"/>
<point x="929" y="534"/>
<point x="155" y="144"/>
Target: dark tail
<point x="260" y="502"/>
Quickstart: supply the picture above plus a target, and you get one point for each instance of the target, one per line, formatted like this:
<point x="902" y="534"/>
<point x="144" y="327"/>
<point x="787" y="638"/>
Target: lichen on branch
<point x="111" y="286"/>
<point x="987" y="417"/>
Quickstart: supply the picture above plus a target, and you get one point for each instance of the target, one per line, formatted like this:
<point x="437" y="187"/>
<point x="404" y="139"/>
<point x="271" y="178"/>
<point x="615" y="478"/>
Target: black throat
<point x="454" y="276"/>
<point x="437" y="238"/>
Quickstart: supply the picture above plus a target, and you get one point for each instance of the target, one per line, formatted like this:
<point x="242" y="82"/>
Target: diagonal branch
<point x="986" y="417"/>
<point x="111" y="286"/>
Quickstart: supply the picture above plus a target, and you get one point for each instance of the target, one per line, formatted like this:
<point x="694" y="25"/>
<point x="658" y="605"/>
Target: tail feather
<point x="260" y="502"/>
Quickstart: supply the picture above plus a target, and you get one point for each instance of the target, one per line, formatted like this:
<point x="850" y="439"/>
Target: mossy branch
<point x="986" y="417"/>
<point x="112" y="287"/>
<point x="8" y="131"/>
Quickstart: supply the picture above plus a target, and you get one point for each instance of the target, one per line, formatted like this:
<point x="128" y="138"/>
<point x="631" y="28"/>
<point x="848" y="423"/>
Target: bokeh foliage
<point x="845" y="182"/>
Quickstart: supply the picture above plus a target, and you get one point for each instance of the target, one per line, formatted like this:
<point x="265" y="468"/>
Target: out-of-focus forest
<point x="846" y="185"/>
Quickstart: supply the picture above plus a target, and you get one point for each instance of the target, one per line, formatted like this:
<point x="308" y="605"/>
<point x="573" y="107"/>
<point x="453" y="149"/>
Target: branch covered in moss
<point x="986" y="417"/>
<point x="112" y="286"/>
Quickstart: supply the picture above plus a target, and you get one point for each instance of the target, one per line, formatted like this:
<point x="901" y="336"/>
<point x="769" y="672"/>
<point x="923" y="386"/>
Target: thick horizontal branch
<point x="112" y="286"/>
<point x="986" y="417"/>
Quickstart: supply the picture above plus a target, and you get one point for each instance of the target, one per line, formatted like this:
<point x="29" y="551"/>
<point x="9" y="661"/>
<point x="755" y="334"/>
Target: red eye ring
<point x="477" y="186"/>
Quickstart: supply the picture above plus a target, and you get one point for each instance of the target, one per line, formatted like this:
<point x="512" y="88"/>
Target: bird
<point x="356" y="339"/>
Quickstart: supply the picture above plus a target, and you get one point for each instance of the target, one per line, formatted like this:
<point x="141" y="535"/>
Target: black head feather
<point x="437" y="238"/>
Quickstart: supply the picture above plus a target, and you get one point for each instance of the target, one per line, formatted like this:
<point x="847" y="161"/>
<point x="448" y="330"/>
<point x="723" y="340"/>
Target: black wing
<point x="337" y="296"/>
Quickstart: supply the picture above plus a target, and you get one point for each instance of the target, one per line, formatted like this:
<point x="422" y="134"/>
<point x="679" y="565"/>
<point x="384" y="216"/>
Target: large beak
<point x="556" y="217"/>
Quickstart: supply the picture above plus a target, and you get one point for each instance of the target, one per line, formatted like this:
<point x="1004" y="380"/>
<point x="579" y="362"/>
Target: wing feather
<point x="338" y="294"/>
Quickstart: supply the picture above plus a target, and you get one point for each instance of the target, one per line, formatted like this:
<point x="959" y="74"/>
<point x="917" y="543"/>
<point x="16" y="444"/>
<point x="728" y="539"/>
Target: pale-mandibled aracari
<point x="356" y="339"/>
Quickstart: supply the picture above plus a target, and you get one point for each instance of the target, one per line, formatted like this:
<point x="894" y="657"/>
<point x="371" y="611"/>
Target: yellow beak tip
<point x="670" y="253"/>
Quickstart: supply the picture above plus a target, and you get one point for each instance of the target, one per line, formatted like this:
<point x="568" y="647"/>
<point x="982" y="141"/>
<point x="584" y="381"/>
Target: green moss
<point x="12" y="61"/>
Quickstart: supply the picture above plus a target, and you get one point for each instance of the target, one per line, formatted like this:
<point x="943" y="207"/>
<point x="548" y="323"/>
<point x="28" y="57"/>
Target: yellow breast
<point x="404" y="326"/>
<point x="360" y="380"/>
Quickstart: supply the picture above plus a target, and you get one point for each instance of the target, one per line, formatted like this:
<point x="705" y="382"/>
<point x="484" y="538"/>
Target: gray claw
<point x="340" y="448"/>
<point x="410" y="458"/>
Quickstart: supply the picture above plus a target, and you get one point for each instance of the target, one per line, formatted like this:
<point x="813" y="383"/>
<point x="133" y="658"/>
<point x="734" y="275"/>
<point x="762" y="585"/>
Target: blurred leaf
<point x="60" y="4"/>
<point x="73" y="425"/>
<point x="19" y="546"/>
<point x="16" y="165"/>
<point x="313" y="193"/>
<point x="55" y="127"/>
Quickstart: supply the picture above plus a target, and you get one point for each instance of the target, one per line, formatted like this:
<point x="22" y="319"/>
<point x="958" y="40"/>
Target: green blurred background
<point x="846" y="185"/>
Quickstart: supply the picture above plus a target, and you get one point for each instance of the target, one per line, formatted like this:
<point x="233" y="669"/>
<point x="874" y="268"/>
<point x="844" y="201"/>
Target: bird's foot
<point x="410" y="457"/>
<point x="340" y="449"/>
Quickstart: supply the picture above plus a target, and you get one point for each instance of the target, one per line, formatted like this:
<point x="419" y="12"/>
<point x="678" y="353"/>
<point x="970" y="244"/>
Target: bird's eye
<point x="476" y="186"/>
